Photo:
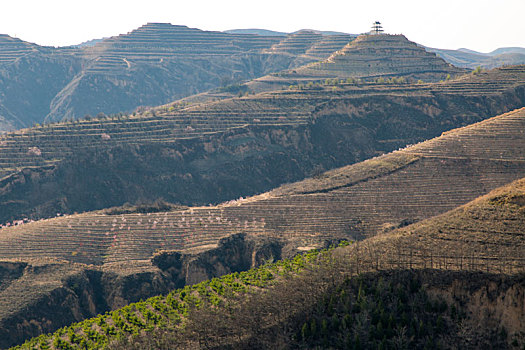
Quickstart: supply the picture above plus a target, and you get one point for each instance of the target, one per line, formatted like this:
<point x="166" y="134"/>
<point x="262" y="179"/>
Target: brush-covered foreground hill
<point x="151" y="65"/>
<point x="236" y="147"/>
<point x="134" y="255"/>
<point x="451" y="280"/>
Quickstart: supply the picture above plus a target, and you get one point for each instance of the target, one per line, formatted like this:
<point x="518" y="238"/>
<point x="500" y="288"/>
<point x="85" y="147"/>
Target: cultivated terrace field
<point x="354" y="202"/>
<point x="154" y="64"/>
<point x="446" y="281"/>
<point x="219" y="151"/>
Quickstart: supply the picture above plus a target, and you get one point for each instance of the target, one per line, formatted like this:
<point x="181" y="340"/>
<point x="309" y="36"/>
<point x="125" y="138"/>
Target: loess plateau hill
<point x="219" y="151"/>
<point x="88" y="263"/>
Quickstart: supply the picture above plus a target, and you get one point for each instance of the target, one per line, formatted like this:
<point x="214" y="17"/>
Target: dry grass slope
<point x="484" y="235"/>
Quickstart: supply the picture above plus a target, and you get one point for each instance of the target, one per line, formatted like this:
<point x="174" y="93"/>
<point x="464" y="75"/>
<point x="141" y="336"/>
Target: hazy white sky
<point x="481" y="25"/>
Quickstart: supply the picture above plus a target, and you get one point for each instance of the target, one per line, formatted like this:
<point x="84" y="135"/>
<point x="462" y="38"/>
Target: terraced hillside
<point x="367" y="57"/>
<point x="376" y="195"/>
<point x="13" y="48"/>
<point x="160" y="62"/>
<point x="190" y="155"/>
<point x="357" y="201"/>
<point x="485" y="234"/>
<point x="309" y="45"/>
<point x="482" y="241"/>
<point x="151" y="65"/>
<point x="382" y="55"/>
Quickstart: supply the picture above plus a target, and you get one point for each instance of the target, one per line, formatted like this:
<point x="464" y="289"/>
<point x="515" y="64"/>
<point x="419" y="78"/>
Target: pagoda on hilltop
<point x="377" y="28"/>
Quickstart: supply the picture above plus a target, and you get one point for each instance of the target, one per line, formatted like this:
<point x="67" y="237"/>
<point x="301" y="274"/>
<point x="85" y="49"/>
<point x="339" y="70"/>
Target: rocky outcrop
<point x="233" y="254"/>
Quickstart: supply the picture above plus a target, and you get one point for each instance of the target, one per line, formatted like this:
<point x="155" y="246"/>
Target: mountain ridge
<point x="151" y="65"/>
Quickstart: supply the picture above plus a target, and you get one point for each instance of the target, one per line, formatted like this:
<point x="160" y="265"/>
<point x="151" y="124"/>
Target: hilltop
<point x="154" y="64"/>
<point x="368" y="57"/>
<point x="219" y="151"/>
<point x="188" y="245"/>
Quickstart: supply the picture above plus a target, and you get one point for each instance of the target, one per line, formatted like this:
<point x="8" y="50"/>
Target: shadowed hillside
<point x="375" y="196"/>
<point x="30" y="76"/>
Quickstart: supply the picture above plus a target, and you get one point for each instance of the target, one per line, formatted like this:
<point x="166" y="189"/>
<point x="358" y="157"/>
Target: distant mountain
<point x="325" y="32"/>
<point x="89" y="43"/>
<point x="471" y="51"/>
<point x="267" y="32"/>
<point x="471" y="59"/>
<point x="504" y="50"/>
<point x="256" y="31"/>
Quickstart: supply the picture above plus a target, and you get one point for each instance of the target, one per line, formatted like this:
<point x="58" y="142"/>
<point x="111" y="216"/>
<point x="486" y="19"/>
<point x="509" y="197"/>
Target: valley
<point x="175" y="187"/>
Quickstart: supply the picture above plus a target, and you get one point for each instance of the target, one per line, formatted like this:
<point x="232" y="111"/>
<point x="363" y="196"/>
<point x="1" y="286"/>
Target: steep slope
<point x="386" y="309"/>
<point x="219" y="151"/>
<point x="365" y="199"/>
<point x="484" y="235"/>
<point x="30" y="76"/>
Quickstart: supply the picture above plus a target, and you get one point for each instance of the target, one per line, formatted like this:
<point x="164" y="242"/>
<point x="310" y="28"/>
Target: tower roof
<point x="377" y="28"/>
